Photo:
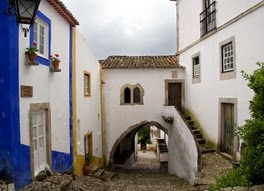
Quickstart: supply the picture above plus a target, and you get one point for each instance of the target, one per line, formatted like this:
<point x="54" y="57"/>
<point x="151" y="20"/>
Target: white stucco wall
<point x="182" y="149"/>
<point x="88" y="108"/>
<point x="118" y="118"/>
<point x="202" y="98"/>
<point x="189" y="16"/>
<point x="48" y="86"/>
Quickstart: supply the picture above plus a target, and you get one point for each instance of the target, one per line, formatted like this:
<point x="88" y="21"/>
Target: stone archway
<point x="135" y="127"/>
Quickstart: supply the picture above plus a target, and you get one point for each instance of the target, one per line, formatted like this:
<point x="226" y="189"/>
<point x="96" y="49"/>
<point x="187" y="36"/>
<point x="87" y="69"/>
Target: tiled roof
<point x="64" y="12"/>
<point x="132" y="62"/>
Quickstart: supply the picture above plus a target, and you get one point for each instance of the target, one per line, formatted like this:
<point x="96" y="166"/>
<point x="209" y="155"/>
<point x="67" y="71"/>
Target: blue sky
<point x="126" y="27"/>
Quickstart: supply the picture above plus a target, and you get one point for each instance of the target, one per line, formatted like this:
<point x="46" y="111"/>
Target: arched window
<point x="127" y="95"/>
<point x="136" y="95"/>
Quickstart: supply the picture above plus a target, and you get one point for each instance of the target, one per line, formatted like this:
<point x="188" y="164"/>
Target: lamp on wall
<point x="24" y="10"/>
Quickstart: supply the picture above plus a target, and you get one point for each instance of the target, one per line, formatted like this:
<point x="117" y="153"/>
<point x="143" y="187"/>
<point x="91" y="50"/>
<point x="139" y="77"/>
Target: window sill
<point x="55" y="70"/>
<point x="31" y="63"/>
<point x="131" y="104"/>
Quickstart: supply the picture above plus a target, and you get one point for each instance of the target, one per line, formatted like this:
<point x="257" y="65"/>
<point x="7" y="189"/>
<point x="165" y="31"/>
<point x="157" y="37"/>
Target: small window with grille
<point x="87" y="83"/>
<point x="196" y="67"/>
<point x="136" y="95"/>
<point x="227" y="57"/>
<point x="131" y="95"/>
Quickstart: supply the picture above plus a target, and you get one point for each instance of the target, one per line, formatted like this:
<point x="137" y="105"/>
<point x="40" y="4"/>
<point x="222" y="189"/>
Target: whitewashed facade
<point x="118" y="118"/>
<point x="88" y="100"/>
<point x="216" y="94"/>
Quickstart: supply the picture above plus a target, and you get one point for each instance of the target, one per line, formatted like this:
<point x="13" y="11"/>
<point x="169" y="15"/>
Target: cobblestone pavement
<point x="145" y="175"/>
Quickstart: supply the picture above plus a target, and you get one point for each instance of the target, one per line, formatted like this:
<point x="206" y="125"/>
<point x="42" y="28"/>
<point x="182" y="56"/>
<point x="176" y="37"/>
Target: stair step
<point x="99" y="172"/>
<point x="107" y="176"/>
<point x="196" y="131"/>
<point x="199" y="136"/>
<point x="201" y="141"/>
<point x="207" y="150"/>
<point x="187" y="117"/>
<point x="90" y="170"/>
<point x="190" y="122"/>
<point x="193" y="127"/>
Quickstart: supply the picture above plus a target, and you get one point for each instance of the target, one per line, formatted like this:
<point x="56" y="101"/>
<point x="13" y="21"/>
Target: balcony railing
<point x="208" y="19"/>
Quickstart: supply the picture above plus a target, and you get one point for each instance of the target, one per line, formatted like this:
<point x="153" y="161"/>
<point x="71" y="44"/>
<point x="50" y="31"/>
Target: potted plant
<point x="55" y="60"/>
<point x="31" y="52"/>
<point x="88" y="165"/>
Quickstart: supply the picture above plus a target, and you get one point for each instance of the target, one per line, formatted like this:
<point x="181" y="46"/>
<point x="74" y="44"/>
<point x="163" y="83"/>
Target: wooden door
<point x="88" y="147"/>
<point x="39" y="141"/>
<point x="174" y="95"/>
<point x="227" y="132"/>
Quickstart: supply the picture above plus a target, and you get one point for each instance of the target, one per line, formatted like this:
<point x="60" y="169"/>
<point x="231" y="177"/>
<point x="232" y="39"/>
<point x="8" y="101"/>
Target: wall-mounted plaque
<point x="26" y="91"/>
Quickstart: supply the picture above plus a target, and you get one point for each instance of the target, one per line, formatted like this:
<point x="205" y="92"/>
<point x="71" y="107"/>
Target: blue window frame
<point x="41" y="33"/>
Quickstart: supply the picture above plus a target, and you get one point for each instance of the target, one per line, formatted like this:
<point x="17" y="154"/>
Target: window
<point x="136" y="95"/>
<point x="227" y="63"/>
<point x="87" y="83"/>
<point x="196" y="68"/>
<point x="227" y="57"/>
<point x="131" y="95"/>
<point x="41" y="34"/>
<point x="208" y="17"/>
<point x="127" y="95"/>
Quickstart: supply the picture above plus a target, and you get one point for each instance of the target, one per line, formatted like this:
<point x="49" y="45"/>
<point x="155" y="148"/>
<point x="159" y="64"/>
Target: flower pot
<point x="31" y="56"/>
<point x="55" y="64"/>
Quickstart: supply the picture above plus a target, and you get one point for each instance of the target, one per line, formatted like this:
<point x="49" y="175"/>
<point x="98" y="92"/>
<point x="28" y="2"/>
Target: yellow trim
<point x="78" y="168"/>
<point x="89" y="83"/>
<point x="102" y="116"/>
<point x="74" y="103"/>
<point x="98" y="162"/>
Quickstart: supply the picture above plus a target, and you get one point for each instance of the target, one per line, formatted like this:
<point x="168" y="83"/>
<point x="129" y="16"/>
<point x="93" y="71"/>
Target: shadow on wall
<point x="183" y="153"/>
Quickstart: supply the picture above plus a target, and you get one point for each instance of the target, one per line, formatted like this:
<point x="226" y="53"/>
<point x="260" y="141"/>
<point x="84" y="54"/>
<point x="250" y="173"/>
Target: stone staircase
<point x="163" y="154"/>
<point x="100" y="173"/>
<point x="162" y="146"/>
<point x="198" y="136"/>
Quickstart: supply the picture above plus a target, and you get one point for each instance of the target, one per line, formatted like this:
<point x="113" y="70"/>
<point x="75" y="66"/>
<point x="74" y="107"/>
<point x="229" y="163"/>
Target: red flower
<point x="50" y="56"/>
<point x="34" y="44"/>
<point x="56" y="55"/>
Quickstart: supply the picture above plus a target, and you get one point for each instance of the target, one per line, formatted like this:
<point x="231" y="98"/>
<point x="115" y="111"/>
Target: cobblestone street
<point x="145" y="175"/>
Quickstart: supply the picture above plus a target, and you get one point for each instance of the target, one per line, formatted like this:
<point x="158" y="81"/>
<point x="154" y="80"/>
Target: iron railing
<point x="208" y="19"/>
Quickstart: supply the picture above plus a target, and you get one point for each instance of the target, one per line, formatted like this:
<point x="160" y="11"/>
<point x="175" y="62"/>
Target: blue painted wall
<point x="14" y="158"/>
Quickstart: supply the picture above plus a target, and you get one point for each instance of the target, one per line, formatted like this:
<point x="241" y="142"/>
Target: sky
<point x="126" y="27"/>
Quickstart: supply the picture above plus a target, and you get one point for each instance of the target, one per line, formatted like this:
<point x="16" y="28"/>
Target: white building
<point x="47" y="113"/>
<point x="215" y="41"/>
<point x="136" y="89"/>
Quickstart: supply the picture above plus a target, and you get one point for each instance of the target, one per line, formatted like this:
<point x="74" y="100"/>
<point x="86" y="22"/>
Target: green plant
<point x="32" y="50"/>
<point x="55" y="57"/>
<point x="232" y="178"/>
<point x="89" y="159"/>
<point x="252" y="132"/>
<point x="143" y="134"/>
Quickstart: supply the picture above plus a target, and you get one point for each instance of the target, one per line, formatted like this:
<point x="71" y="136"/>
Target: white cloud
<point x="125" y="27"/>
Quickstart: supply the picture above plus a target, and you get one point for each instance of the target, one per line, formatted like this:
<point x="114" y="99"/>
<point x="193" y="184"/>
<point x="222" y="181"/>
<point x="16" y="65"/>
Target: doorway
<point x="175" y="95"/>
<point x="227" y="128"/>
<point x="39" y="140"/>
<point x="88" y="148"/>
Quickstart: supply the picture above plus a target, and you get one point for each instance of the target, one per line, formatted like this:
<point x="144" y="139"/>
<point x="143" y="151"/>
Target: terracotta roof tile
<point x="132" y="62"/>
<point x="63" y="11"/>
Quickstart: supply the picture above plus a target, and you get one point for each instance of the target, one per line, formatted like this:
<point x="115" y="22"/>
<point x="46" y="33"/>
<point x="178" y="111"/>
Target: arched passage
<point x="133" y="129"/>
